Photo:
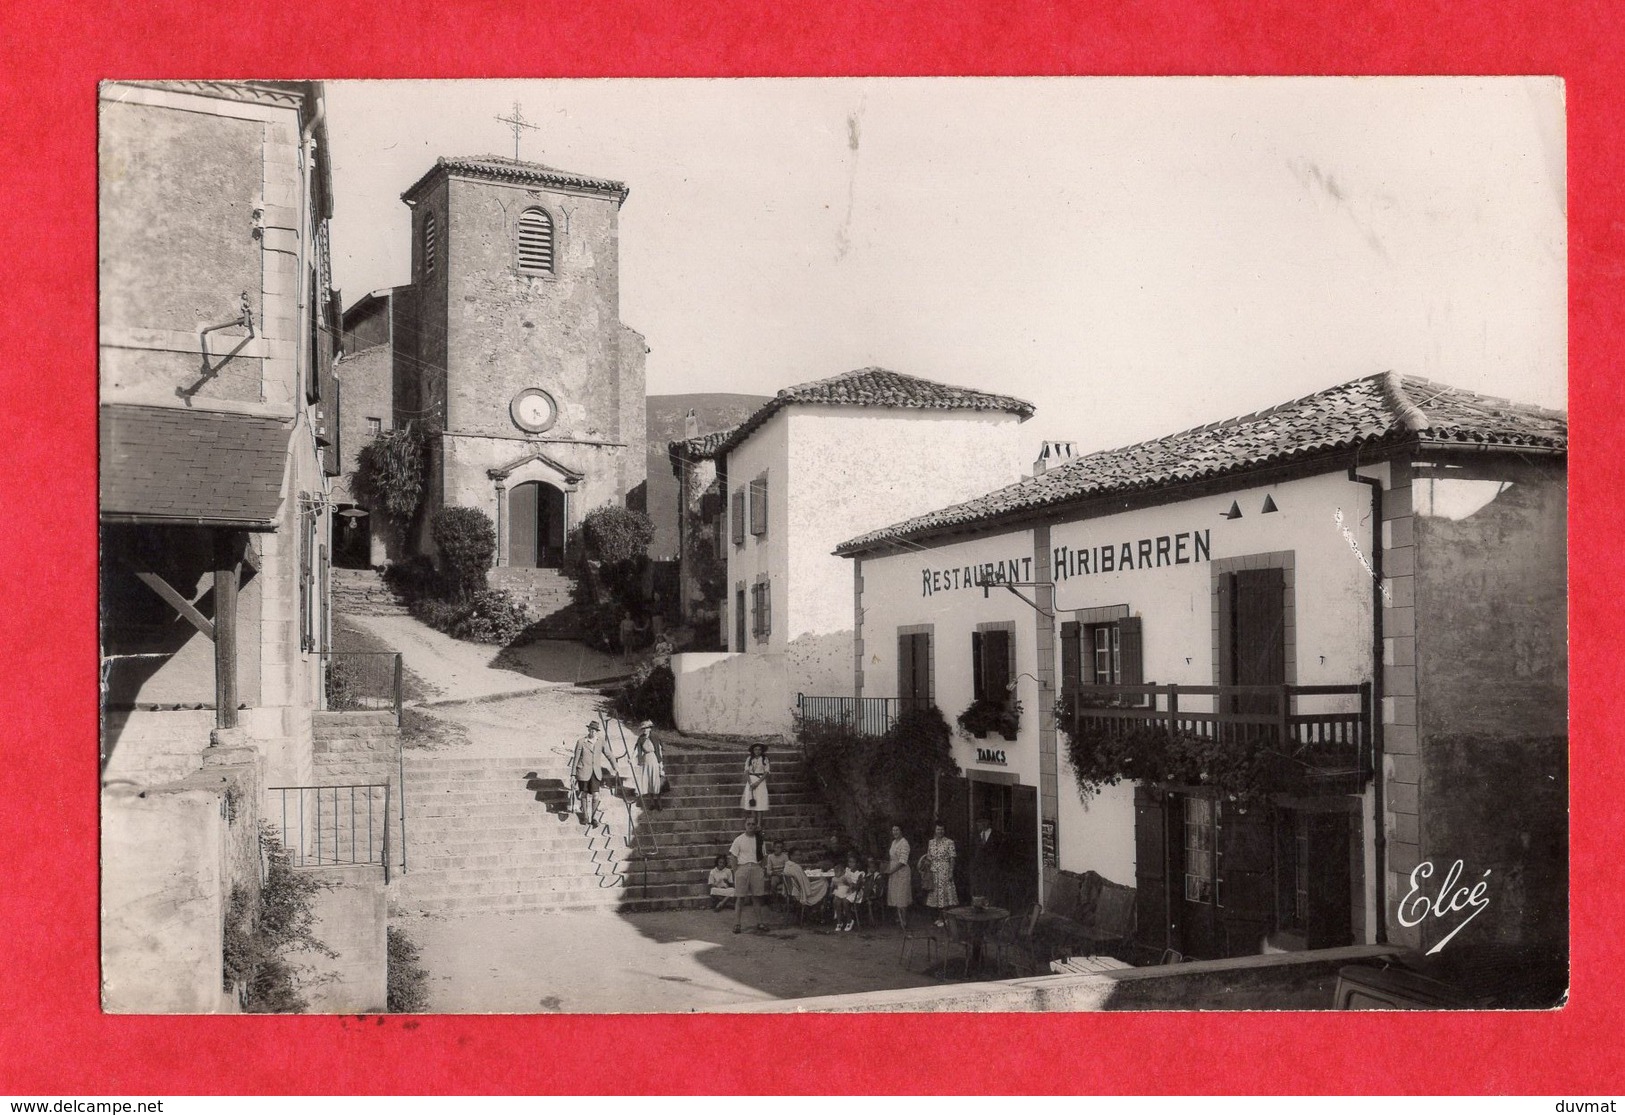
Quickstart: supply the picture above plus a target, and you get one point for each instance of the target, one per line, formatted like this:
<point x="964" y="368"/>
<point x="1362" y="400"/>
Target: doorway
<point x="1013" y="808"/>
<point x="352" y="537"/>
<point x="535" y="526"/>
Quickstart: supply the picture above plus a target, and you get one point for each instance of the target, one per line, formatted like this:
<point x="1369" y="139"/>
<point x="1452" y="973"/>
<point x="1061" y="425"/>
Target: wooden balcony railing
<point x="1323" y="731"/>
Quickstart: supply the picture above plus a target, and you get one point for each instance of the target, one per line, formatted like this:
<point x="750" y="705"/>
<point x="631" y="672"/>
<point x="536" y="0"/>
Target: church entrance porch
<point x="535" y="526"/>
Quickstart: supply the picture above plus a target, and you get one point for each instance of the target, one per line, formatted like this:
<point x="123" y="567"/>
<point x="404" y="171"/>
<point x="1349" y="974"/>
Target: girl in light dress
<point x="848" y="893"/>
<point x="757" y="768"/>
<point x="721" y="881"/>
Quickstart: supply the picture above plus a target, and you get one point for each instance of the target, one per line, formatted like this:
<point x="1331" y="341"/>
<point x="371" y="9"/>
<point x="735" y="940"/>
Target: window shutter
<point x="767" y="608"/>
<point x="978" y="690"/>
<point x="536" y="242"/>
<point x="736" y="512"/>
<point x="1071" y="659"/>
<point x="758" y="506"/>
<point x="739" y="618"/>
<point x="1130" y="643"/>
<point x="905" y="666"/>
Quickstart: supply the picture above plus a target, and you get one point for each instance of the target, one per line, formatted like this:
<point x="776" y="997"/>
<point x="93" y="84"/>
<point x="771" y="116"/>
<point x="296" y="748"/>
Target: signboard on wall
<point x="1046" y="836"/>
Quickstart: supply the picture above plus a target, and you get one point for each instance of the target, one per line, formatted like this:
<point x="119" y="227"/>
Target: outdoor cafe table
<point x="974" y="922"/>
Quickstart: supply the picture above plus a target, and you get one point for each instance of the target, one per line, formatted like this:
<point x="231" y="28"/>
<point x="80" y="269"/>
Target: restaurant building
<point x="1279" y="673"/>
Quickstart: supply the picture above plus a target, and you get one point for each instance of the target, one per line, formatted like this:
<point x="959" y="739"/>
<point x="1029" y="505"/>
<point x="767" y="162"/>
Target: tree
<point x="389" y="473"/>
<point x="467" y="542"/>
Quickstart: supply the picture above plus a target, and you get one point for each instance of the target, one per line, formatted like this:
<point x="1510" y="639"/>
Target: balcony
<point x="1309" y="739"/>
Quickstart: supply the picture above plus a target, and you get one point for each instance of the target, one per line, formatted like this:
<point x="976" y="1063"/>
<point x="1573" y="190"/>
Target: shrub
<point x="408" y="981"/>
<point x="261" y="934"/>
<point x="389" y="473"/>
<point x="467" y="543"/>
<point x="647" y="695"/>
<point x="872" y="783"/>
<point x="488" y="616"/>
<point x="413" y="578"/>
<point x="343" y="685"/>
<point x="612" y="535"/>
<point x="986" y="717"/>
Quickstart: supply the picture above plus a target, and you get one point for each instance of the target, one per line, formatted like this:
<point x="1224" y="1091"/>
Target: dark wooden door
<point x="522" y="510"/>
<point x="549" y="527"/>
<point x="1021" y="886"/>
<point x="1254" y="651"/>
<point x="1246" y="881"/>
<point x="1332" y="842"/>
<point x="1155" y="929"/>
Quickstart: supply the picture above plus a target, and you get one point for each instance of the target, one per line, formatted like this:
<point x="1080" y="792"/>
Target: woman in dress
<point x="938" y="863"/>
<point x="757" y="768"/>
<point x="650" y="763"/>
<point x="899" y="887"/>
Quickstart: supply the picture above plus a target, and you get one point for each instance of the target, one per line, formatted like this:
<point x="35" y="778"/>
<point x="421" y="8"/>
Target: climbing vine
<point x="390" y="471"/>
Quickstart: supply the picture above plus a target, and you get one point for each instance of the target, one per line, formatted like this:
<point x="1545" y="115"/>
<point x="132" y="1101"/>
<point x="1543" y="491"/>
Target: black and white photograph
<point x="833" y="545"/>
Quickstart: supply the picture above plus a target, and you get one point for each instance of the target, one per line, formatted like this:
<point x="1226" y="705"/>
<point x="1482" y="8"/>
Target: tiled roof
<point x="876" y="387"/>
<point x="702" y="446"/>
<point x="517" y="170"/>
<point x="166" y="464"/>
<point x="1378" y="409"/>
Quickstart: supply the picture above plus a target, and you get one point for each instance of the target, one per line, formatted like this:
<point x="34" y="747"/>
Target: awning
<point x="168" y="465"/>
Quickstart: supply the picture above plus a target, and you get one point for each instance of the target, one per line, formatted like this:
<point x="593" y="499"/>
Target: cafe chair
<point x="872" y="897"/>
<point x="931" y="941"/>
<point x="954" y="936"/>
<point x="1018" y="944"/>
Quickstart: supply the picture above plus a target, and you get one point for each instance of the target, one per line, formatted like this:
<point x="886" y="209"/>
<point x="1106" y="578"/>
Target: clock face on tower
<point x="534" y="410"/>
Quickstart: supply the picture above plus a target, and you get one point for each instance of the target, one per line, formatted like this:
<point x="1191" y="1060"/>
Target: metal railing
<point x="867" y="716"/>
<point x="362" y="681"/>
<point x="334" y="826"/>
<point x="1325" y="729"/>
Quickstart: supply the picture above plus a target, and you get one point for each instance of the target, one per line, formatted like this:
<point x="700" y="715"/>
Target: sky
<point x="1133" y="256"/>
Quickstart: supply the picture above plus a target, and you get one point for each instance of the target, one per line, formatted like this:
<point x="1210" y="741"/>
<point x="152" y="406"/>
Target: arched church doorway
<point x="536" y="526"/>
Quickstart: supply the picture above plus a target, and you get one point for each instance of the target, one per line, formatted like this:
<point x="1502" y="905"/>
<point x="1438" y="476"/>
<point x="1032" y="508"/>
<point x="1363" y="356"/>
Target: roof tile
<point x="875" y="387"/>
<point x="1377" y="408"/>
<point x="203" y="466"/>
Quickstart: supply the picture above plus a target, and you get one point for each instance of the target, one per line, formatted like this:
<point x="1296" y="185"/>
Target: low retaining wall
<point x="352" y="920"/>
<point x="1279" y="981"/>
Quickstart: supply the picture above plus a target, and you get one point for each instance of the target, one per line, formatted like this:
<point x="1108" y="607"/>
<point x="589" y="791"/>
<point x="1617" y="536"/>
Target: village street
<point x="670" y="961"/>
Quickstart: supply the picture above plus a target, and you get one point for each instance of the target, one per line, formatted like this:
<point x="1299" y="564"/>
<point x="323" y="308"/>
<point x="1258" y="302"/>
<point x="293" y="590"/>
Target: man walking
<point x="750" y="884"/>
<point x="589" y="764"/>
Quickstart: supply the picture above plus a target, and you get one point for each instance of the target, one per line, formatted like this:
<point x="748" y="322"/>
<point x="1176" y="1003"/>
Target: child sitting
<point x="848" y="891"/>
<point x="721" y="881"/>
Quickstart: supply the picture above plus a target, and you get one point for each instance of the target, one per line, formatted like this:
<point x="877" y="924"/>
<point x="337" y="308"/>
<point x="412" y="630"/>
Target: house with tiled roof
<point x="816" y="464"/>
<point x="1279" y="674"/>
<point x="219" y="441"/>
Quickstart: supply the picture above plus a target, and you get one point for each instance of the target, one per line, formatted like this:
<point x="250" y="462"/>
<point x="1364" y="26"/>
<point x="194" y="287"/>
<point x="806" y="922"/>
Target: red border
<point x="52" y="1037"/>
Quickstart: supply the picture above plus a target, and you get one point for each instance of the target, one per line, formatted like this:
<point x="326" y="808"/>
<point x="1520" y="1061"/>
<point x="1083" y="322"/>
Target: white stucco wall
<point x="731" y="694"/>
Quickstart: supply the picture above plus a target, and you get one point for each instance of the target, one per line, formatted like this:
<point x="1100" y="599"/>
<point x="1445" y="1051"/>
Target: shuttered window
<point x="761" y="610"/>
<point x="758" y="505"/>
<point x="1102" y="654"/>
<point x="993" y="665"/>
<point x="736" y="516"/>
<point x="739" y="618"/>
<point x="536" y="242"/>
<point x="914" y="670"/>
<point x="429" y="243"/>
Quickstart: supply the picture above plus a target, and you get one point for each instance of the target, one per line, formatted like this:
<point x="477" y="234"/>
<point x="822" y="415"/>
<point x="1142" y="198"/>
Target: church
<point x="508" y="350"/>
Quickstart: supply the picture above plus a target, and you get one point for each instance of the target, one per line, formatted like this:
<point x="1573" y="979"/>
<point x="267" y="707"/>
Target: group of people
<point x="592" y="768"/>
<point x="749" y="872"/>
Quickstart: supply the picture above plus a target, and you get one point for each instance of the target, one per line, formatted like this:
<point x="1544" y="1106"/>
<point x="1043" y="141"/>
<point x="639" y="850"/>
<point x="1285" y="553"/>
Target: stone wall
<point x="352" y="920"/>
<point x="732" y="694"/>
<point x="1491" y="705"/>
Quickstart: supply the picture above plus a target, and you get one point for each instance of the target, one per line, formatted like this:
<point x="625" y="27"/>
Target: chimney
<point x="691" y="425"/>
<point x="1051" y="454"/>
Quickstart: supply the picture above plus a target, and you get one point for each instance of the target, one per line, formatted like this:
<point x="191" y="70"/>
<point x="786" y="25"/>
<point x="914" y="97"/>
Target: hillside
<point x="716" y="411"/>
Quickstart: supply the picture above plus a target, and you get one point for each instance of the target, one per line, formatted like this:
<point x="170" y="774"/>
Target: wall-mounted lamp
<point x="1011" y="688"/>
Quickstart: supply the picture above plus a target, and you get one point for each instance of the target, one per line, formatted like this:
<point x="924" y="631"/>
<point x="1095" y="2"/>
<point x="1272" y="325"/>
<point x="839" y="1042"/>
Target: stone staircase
<point x="361" y="749"/>
<point x="362" y="592"/>
<point x="494" y="834"/>
<point x="544" y="592"/>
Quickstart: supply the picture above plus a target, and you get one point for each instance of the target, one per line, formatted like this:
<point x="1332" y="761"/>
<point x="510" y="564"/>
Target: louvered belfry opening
<point x="536" y="242"/>
<point x="428" y="243"/>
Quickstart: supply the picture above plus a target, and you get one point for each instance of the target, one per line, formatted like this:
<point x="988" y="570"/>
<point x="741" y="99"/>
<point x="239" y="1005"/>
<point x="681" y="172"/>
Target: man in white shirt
<point x="750" y="883"/>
